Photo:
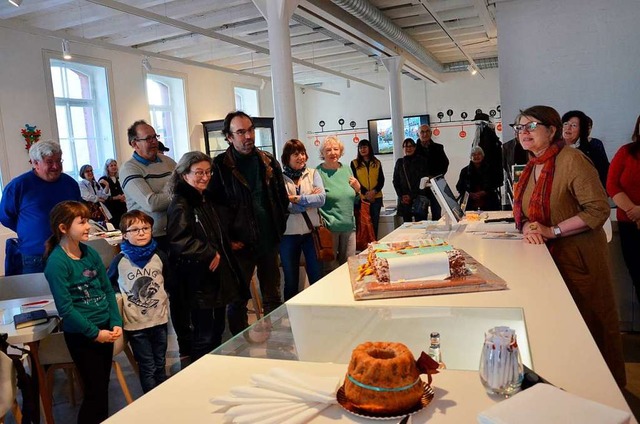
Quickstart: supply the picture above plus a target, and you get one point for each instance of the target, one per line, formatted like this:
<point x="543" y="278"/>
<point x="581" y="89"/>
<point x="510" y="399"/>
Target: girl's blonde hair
<point x="63" y="213"/>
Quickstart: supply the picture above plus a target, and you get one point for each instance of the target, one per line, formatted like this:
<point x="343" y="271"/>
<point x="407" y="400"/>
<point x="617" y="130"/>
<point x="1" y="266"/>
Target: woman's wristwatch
<point x="557" y="232"/>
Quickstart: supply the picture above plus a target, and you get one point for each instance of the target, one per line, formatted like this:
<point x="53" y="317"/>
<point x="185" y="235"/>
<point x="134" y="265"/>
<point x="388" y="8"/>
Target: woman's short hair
<point x="184" y="166"/>
<point x="43" y="149"/>
<point x="583" y="135"/>
<point x="290" y="147"/>
<point x="476" y="149"/>
<point x="106" y="167"/>
<point x="547" y="116"/>
<point x="329" y="140"/>
<point x="83" y="170"/>
<point x="410" y="141"/>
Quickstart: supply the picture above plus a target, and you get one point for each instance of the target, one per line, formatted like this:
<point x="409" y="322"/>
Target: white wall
<point x="23" y="94"/>
<point x="459" y="92"/>
<point x="573" y="54"/>
<point x="23" y="98"/>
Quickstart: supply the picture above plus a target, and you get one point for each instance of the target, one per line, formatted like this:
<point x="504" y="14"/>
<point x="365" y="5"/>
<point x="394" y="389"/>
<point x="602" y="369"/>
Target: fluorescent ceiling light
<point x="16" y="3"/>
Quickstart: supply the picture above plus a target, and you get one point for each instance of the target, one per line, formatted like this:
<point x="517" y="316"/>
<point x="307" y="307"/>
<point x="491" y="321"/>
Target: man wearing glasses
<point x="26" y="203"/>
<point x="248" y="190"/>
<point x="145" y="178"/>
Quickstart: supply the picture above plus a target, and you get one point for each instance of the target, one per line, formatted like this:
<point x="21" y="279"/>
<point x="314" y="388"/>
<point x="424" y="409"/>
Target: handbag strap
<point x="307" y="220"/>
<point x="405" y="175"/>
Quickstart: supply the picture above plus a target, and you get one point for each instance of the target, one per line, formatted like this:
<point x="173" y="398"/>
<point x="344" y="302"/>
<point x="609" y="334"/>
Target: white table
<point x="31" y="336"/>
<point x="561" y="348"/>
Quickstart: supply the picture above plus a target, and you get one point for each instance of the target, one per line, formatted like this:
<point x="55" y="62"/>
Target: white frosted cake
<point x="398" y="262"/>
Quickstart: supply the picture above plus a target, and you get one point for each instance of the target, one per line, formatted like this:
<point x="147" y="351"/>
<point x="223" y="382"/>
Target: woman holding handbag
<point x="368" y="170"/>
<point x="306" y="195"/>
<point x="409" y="170"/>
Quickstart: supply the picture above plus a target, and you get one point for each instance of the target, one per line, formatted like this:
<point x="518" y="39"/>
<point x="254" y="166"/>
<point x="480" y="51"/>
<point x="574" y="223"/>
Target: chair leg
<point x="123" y="383"/>
<point x="132" y="359"/>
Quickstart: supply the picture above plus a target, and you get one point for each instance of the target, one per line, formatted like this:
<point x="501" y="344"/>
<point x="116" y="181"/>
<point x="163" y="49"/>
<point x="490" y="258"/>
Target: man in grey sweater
<point x="145" y="178"/>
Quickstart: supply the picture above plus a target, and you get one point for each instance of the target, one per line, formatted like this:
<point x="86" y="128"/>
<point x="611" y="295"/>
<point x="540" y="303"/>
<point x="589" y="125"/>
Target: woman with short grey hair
<point x="207" y="275"/>
<point x="337" y="212"/>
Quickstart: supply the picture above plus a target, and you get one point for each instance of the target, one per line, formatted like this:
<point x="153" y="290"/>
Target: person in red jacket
<point x="623" y="186"/>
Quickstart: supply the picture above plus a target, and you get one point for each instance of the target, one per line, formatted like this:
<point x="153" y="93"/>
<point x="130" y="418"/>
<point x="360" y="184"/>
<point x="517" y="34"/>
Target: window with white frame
<point x="83" y="114"/>
<point x="247" y="100"/>
<point x="168" y="111"/>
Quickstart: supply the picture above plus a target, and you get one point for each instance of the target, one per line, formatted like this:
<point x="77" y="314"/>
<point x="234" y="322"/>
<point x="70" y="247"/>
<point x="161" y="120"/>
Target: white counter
<point x="561" y="348"/>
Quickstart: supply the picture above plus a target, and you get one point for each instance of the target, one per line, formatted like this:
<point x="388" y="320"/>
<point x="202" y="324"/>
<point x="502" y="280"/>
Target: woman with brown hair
<point x="560" y="202"/>
<point x="306" y="195"/>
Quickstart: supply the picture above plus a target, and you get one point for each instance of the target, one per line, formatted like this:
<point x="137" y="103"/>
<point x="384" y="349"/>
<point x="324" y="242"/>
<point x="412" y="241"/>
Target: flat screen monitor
<point x="445" y="197"/>
<point x="381" y="132"/>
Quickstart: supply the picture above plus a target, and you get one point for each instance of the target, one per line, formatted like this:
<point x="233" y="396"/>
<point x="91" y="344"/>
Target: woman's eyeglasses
<point x="143" y="230"/>
<point x="531" y="126"/>
<point x="199" y="173"/>
<point x="570" y="125"/>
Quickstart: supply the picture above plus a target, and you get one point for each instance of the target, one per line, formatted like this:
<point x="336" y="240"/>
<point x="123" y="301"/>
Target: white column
<point x="394" y="67"/>
<point x="277" y="13"/>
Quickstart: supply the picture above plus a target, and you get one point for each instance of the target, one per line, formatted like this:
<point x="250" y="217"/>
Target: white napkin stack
<point x="279" y="397"/>
<point x="544" y="403"/>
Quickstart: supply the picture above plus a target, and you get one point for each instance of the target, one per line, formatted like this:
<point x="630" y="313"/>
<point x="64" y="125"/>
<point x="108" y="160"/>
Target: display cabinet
<point x="215" y="143"/>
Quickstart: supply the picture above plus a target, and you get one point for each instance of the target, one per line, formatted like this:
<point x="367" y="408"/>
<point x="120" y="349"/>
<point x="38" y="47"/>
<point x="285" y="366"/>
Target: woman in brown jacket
<point x="559" y="201"/>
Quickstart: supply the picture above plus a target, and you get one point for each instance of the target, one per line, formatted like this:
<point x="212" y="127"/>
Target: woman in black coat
<point x="207" y="274"/>
<point x="407" y="173"/>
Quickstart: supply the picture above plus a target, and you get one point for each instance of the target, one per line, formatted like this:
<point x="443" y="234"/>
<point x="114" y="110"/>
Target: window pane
<point x="247" y="100"/>
<point x="157" y="93"/>
<point x="56" y="80"/>
<point x="83" y="114"/>
<point x="62" y="119"/>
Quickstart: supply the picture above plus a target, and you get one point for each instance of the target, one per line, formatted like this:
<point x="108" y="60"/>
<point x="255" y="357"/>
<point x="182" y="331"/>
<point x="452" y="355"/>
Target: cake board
<point x="480" y="279"/>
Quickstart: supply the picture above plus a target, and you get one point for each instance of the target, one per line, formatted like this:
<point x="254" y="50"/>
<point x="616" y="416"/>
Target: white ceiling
<point x="327" y="40"/>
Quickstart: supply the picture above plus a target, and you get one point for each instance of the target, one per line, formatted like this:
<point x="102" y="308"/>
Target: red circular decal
<point x="499" y="127"/>
<point x="436" y="132"/>
<point x="356" y="139"/>
<point x="462" y="134"/>
<point x="317" y="142"/>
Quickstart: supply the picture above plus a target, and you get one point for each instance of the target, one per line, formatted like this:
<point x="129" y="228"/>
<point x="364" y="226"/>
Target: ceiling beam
<point x="20" y="27"/>
<point x="212" y="34"/>
<point x="486" y="17"/>
<point x="455" y="40"/>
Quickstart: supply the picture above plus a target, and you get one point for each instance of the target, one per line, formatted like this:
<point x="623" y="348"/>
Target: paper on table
<point x="434" y="266"/>
<point x="544" y="403"/>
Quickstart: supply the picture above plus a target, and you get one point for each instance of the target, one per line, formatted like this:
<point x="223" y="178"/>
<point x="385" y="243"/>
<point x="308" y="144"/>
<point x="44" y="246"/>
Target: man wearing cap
<point x="437" y="164"/>
<point x="145" y="178"/>
<point x="26" y="203"/>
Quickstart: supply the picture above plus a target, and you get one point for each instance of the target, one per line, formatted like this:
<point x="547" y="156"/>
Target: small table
<point x="31" y="337"/>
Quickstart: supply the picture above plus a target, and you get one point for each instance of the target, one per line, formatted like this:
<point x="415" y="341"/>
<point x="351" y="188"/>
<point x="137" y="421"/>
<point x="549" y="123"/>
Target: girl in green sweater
<point x="86" y="303"/>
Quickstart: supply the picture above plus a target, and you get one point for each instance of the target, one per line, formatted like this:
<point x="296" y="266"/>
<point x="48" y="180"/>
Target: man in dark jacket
<point x="249" y="192"/>
<point x="437" y="164"/>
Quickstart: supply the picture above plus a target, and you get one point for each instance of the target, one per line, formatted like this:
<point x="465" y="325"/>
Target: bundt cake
<point x="382" y="378"/>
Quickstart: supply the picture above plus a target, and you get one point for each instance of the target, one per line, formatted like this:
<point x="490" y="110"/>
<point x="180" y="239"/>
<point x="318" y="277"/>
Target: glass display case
<point x="215" y="143"/>
<point x="317" y="333"/>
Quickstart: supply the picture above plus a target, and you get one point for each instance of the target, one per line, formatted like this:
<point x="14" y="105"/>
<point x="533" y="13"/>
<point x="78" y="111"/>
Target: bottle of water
<point x="434" y="347"/>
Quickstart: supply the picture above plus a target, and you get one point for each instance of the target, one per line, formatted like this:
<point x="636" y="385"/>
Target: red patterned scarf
<point x="540" y="204"/>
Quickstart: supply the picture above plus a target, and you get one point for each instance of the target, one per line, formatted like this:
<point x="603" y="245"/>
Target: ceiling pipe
<point x="373" y="17"/>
